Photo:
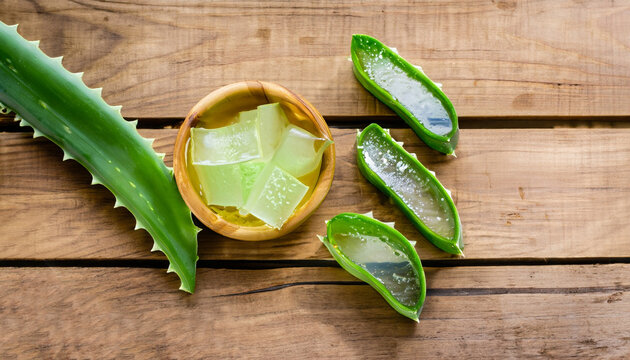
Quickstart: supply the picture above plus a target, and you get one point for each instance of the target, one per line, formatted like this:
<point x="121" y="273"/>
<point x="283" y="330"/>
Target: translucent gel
<point x="422" y="196"/>
<point x="409" y="92"/>
<point x="388" y="265"/>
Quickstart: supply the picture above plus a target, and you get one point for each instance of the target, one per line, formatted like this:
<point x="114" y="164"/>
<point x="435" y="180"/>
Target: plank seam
<point x="450" y="291"/>
<point x="278" y="264"/>
<point x="393" y="122"/>
<point x="288" y="285"/>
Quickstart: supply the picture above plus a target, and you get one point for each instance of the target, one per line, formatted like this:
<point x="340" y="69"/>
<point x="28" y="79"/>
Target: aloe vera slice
<point x="248" y="116"/>
<point x="58" y="106"/>
<point x="221" y="184"/>
<point x="230" y="144"/>
<point x="249" y="171"/>
<point x="300" y="152"/>
<point x="412" y="187"/>
<point x="272" y="122"/>
<point x="274" y="196"/>
<point x="381" y="256"/>
<point x="406" y="90"/>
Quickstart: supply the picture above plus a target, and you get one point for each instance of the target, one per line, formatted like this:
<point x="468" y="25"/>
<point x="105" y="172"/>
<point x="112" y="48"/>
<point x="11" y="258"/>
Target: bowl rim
<point x="214" y="221"/>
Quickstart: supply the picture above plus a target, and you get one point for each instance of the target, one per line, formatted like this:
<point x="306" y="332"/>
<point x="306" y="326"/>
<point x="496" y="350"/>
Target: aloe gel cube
<point x="249" y="173"/>
<point x="271" y="124"/>
<point x="221" y="184"/>
<point x="248" y="116"/>
<point x="300" y="152"/>
<point x="225" y="145"/>
<point x="274" y="196"/>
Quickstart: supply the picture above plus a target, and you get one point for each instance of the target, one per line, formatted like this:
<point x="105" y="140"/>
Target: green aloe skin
<point x="381" y="256"/>
<point x="59" y="106"/>
<point x="413" y="188"/>
<point x="407" y="91"/>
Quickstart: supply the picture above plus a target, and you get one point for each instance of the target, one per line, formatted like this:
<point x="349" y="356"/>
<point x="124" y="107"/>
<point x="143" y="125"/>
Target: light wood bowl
<point x="231" y="99"/>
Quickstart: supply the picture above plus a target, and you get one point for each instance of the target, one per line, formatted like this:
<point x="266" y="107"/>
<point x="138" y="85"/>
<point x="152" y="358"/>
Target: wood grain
<point x="521" y="194"/>
<point x="566" y="311"/>
<point x="495" y="58"/>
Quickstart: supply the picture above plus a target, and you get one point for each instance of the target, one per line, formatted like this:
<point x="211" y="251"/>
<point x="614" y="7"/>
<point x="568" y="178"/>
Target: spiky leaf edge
<point x="187" y="284"/>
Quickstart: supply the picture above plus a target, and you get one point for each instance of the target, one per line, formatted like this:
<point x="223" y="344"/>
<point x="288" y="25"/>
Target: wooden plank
<point x="547" y="193"/>
<point x="548" y="311"/>
<point x="495" y="58"/>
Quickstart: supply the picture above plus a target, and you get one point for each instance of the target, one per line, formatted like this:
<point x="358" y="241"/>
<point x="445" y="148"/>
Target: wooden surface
<point x="495" y="58"/>
<point x="540" y="181"/>
<point x="314" y="313"/>
<point x="521" y="194"/>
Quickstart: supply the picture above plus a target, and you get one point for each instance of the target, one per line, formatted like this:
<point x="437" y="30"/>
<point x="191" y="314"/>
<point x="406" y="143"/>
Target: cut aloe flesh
<point x="406" y="90"/>
<point x="225" y="145"/>
<point x="272" y="122"/>
<point x="412" y="187"/>
<point x="221" y="184"/>
<point x="381" y="256"/>
<point x="274" y="196"/>
<point x="300" y="152"/>
<point x="228" y="185"/>
<point x="249" y="172"/>
<point x="248" y="117"/>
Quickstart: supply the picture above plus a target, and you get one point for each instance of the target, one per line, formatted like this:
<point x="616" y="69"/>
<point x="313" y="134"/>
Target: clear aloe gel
<point x="226" y="145"/>
<point x="274" y="196"/>
<point x="222" y="184"/>
<point x="406" y="90"/>
<point x="412" y="187"/>
<point x="390" y="267"/>
<point x="300" y="152"/>
<point x="381" y="256"/>
<point x="411" y="93"/>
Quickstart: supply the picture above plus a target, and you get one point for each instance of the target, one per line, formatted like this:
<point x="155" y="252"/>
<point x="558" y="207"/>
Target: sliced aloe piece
<point x="271" y="124"/>
<point x="249" y="171"/>
<point x="221" y="184"/>
<point x="250" y="120"/>
<point x="225" y="145"/>
<point x="274" y="196"/>
<point x="381" y="256"/>
<point x="248" y="116"/>
<point x="406" y="90"/>
<point x="300" y="152"/>
<point x="412" y="187"/>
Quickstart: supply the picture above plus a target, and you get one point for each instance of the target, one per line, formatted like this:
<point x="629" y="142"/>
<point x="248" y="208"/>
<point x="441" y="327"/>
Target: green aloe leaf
<point x="58" y="106"/>
<point x="381" y="256"/>
<point x="406" y="90"/>
<point x="413" y="188"/>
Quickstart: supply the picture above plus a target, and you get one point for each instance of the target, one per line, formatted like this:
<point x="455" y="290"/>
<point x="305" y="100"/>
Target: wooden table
<point x="541" y="182"/>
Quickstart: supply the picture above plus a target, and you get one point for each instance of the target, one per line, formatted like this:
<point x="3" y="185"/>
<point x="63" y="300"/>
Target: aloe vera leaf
<point x="413" y="188"/>
<point x="407" y="91"/>
<point x="381" y="256"/>
<point x="58" y="106"/>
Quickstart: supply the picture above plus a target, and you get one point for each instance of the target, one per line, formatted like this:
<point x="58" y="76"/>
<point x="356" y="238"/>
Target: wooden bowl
<point x="213" y="111"/>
